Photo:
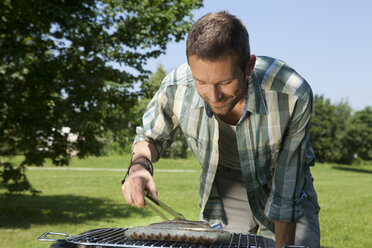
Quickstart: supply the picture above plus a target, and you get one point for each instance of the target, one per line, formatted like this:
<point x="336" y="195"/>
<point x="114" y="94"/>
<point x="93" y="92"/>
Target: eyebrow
<point x="221" y="81"/>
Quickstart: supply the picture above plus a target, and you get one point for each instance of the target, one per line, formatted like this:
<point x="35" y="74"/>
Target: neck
<point x="234" y="116"/>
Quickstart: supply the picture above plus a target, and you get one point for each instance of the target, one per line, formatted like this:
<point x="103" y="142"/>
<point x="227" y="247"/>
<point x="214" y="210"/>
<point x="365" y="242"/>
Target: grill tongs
<point x="163" y="206"/>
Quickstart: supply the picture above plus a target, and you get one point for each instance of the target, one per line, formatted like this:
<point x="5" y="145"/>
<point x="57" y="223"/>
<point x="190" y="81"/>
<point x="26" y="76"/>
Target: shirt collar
<point x="254" y="101"/>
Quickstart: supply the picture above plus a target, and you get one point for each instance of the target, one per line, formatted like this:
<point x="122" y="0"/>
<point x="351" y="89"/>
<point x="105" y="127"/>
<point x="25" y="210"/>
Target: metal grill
<point x="114" y="237"/>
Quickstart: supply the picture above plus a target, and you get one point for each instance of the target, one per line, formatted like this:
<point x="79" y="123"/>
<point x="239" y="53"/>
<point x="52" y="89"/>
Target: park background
<point x="84" y="113"/>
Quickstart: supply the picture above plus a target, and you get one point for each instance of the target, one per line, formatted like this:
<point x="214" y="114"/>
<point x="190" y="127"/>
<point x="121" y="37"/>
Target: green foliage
<point x="325" y="127"/>
<point x="14" y="179"/>
<point x="57" y="71"/>
<point x="362" y="121"/>
<point x="359" y="136"/>
<point x="151" y="86"/>
<point x="338" y="135"/>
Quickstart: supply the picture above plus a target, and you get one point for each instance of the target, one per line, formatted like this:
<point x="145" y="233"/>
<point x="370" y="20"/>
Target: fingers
<point x="134" y="187"/>
<point x="133" y="191"/>
<point x="151" y="188"/>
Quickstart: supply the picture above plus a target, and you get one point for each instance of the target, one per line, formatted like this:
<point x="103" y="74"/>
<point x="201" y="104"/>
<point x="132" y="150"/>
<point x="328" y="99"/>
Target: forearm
<point x="284" y="233"/>
<point x="139" y="175"/>
<point x="144" y="149"/>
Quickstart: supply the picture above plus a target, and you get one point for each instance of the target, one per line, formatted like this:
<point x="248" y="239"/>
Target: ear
<point x="250" y="65"/>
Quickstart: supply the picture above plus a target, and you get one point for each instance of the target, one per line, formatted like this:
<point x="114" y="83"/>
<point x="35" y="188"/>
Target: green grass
<point x="345" y="197"/>
<point x="76" y="201"/>
<point x="117" y="161"/>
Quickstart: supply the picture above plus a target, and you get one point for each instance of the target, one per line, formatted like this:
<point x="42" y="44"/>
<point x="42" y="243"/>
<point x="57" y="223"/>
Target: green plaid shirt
<point x="272" y="138"/>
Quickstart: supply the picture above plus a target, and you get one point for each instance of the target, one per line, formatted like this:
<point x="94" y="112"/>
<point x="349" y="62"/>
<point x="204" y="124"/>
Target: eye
<point x="200" y="83"/>
<point x="226" y="82"/>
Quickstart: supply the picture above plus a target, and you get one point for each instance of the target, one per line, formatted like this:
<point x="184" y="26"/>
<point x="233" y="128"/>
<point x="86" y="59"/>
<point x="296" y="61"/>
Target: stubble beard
<point x="228" y="106"/>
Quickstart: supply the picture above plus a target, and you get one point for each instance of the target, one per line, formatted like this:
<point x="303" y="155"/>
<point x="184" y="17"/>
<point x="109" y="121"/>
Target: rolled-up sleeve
<point x="159" y="121"/>
<point x="287" y="194"/>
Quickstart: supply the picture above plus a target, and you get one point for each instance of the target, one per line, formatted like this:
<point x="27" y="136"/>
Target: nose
<point x="214" y="94"/>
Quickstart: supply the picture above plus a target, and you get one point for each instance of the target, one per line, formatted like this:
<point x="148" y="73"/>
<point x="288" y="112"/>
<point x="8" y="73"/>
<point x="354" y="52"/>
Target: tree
<point x="358" y="139"/>
<point x="342" y="122"/>
<point x="56" y="71"/>
<point x="339" y="135"/>
<point x="323" y="130"/>
<point x="151" y="86"/>
<point x="363" y="122"/>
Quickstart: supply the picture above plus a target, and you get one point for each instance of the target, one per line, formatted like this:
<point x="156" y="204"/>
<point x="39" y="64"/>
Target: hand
<point x="138" y="181"/>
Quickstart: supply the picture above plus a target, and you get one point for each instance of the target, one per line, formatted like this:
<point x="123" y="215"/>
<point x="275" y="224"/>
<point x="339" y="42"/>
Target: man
<point x="246" y="119"/>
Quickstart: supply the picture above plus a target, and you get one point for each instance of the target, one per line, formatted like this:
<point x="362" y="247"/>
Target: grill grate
<point x="113" y="237"/>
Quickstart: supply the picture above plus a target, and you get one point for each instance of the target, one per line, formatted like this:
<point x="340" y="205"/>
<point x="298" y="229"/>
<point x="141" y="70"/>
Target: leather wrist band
<point x="148" y="167"/>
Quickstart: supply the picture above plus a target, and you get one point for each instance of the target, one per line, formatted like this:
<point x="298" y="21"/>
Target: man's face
<point x="222" y="83"/>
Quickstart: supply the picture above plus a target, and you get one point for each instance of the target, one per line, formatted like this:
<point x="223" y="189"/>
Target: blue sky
<point x="328" y="42"/>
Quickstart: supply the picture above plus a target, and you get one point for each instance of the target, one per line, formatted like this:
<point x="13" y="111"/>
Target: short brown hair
<point x="216" y="35"/>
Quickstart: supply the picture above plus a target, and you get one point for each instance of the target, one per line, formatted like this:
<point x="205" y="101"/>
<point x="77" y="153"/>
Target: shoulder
<point x="180" y="76"/>
<point x="178" y="87"/>
<point x="277" y="76"/>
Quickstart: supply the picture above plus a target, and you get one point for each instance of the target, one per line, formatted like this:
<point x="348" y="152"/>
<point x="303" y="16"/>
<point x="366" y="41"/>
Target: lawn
<point x="74" y="201"/>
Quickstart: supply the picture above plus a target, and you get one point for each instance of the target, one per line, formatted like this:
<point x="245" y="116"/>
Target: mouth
<point x="219" y="104"/>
